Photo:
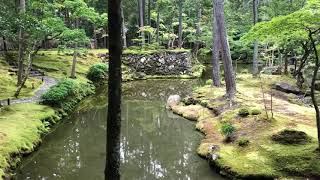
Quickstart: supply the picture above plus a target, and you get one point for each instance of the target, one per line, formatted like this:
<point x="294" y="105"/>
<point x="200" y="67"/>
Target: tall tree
<point x="256" y="43"/>
<point x="141" y="21"/>
<point x="21" y="44"/>
<point x="215" y="50"/>
<point x="124" y="30"/>
<point x="112" y="171"/>
<point x="225" y="50"/>
<point x="180" y="24"/>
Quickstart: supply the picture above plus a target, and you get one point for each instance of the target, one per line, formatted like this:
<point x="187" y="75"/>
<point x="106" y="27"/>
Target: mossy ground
<point x="8" y="83"/>
<point x="262" y="158"/>
<point x="21" y="127"/>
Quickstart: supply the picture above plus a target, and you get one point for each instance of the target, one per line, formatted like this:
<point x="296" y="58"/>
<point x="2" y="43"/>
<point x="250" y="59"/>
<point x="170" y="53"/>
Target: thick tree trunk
<point x="74" y="64"/>
<point x="313" y="86"/>
<point x="141" y="15"/>
<point x="112" y="171"/>
<point x="255" y="69"/>
<point x="21" y="45"/>
<point x="215" y="51"/>
<point x="124" y="35"/>
<point x="225" y="50"/>
<point x="180" y="24"/>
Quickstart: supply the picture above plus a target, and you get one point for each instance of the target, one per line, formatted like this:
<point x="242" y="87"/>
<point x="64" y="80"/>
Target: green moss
<point x="21" y="127"/>
<point x="244" y="112"/>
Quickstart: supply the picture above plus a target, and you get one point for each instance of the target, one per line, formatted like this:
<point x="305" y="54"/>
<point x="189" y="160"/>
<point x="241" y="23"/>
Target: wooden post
<point x="8" y="101"/>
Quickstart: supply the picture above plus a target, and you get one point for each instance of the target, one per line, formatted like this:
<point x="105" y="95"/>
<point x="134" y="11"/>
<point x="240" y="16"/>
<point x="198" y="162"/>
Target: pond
<point x="155" y="144"/>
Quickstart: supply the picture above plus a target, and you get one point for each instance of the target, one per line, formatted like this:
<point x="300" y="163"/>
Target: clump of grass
<point x="228" y="131"/>
<point x="243" y="142"/>
<point x="244" y="112"/>
<point x="255" y="112"/>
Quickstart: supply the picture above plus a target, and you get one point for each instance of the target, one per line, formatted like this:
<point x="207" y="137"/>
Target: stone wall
<point x="166" y="63"/>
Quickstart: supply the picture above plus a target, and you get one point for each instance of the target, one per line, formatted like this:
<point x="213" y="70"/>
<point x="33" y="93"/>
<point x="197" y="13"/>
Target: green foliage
<point x="98" y="73"/>
<point x="244" y="112"/>
<point x="228" y="129"/>
<point x="255" y="112"/>
<point x="209" y="82"/>
<point x="66" y="94"/>
<point x="242" y="142"/>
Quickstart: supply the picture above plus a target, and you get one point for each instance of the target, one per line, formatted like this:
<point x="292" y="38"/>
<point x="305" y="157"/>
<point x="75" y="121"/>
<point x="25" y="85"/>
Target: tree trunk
<point x="124" y="33"/>
<point x="21" y="45"/>
<point x="5" y="48"/>
<point x="286" y="61"/>
<point x="158" y="26"/>
<point x="74" y="63"/>
<point x="112" y="171"/>
<point x="313" y="86"/>
<point x="215" y="51"/>
<point x="180" y="24"/>
<point x="198" y="31"/>
<point x="141" y="15"/>
<point x="149" y="19"/>
<point x="26" y="76"/>
<point x="255" y="69"/>
<point x="95" y="38"/>
<point x="225" y="50"/>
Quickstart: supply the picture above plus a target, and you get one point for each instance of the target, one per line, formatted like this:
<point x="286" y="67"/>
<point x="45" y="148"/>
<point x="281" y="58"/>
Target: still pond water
<point x="155" y="143"/>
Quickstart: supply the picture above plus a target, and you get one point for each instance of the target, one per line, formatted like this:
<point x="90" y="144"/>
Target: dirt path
<point x="47" y="83"/>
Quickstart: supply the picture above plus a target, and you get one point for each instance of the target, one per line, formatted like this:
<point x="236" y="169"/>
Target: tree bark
<point x="286" y="61"/>
<point x="198" y="31"/>
<point x="149" y="19"/>
<point x="21" y="45"/>
<point x="74" y="63"/>
<point x="313" y="85"/>
<point x="180" y="24"/>
<point x="225" y="50"/>
<point x="5" y="48"/>
<point x="141" y="15"/>
<point x="112" y="171"/>
<point x="255" y="69"/>
<point x="124" y="35"/>
<point x="215" y="51"/>
<point x="158" y="26"/>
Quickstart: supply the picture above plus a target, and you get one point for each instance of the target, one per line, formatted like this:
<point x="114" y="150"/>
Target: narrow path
<point x="47" y="83"/>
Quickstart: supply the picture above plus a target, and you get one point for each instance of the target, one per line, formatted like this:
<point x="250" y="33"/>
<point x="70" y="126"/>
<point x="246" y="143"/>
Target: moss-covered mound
<point x="288" y="136"/>
<point x="253" y="154"/>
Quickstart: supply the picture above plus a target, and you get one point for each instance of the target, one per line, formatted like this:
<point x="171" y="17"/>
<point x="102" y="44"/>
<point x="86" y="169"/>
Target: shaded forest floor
<point x="252" y="152"/>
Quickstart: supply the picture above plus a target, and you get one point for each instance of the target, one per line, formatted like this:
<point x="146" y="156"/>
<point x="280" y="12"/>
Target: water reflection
<point x="155" y="144"/>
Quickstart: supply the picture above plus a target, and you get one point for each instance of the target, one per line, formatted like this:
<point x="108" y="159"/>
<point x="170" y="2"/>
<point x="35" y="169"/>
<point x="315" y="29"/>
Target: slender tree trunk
<point x="74" y="63"/>
<point x="141" y="15"/>
<point x="158" y="26"/>
<point x="255" y="69"/>
<point x="215" y="51"/>
<point x="198" y="30"/>
<point x="286" y="62"/>
<point x="95" y="38"/>
<point x="112" y="171"/>
<point x="180" y="24"/>
<point x="21" y="45"/>
<point x="149" y="19"/>
<point x="313" y="86"/>
<point x="25" y="77"/>
<point x="225" y="50"/>
<point x="124" y="33"/>
<point x="5" y="48"/>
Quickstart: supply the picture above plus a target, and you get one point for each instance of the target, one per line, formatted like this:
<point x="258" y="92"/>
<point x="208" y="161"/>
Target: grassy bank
<point x="21" y="130"/>
<point x="251" y="152"/>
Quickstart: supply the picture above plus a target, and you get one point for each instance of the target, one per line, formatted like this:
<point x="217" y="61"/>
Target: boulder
<point x="173" y="100"/>
<point x="287" y="88"/>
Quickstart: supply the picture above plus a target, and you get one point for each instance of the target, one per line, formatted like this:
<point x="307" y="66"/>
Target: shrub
<point x="243" y="112"/>
<point x="209" y="82"/>
<point x="288" y="136"/>
<point x="243" y="142"/>
<point x="66" y="94"/>
<point x="98" y="73"/>
<point x="228" y="129"/>
<point x="255" y="112"/>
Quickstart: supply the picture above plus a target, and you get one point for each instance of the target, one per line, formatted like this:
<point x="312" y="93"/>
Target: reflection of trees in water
<point x="153" y="145"/>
